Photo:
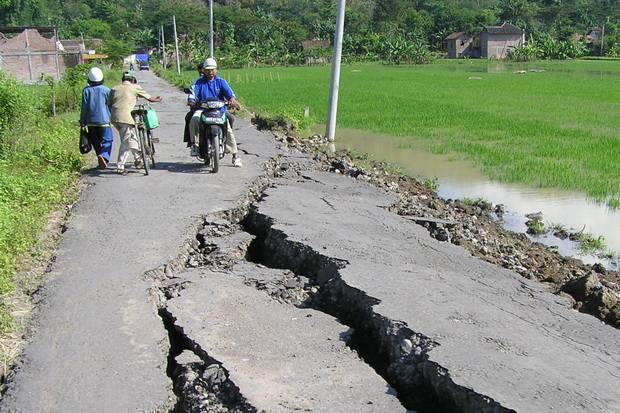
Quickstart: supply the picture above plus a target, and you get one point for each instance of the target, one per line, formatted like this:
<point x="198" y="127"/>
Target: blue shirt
<point x="95" y="110"/>
<point x="204" y="89"/>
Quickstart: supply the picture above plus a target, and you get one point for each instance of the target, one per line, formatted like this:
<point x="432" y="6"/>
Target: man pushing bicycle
<point x="123" y="98"/>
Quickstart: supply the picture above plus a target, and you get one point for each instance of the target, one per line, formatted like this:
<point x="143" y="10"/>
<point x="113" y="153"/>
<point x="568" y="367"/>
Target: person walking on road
<point x="123" y="98"/>
<point x="95" y="116"/>
<point x="211" y="86"/>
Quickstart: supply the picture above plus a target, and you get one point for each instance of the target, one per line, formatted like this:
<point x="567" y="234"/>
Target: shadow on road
<point x="188" y="168"/>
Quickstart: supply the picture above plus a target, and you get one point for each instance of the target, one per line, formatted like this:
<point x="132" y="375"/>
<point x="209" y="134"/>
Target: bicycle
<point x="145" y="137"/>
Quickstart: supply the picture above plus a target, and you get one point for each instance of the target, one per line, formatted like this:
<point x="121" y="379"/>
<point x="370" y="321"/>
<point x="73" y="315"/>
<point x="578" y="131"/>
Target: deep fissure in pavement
<point x="201" y="383"/>
<point x="396" y="352"/>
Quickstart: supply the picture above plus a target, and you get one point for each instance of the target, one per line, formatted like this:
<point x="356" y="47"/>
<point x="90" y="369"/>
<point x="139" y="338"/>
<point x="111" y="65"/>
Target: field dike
<point x="394" y="351"/>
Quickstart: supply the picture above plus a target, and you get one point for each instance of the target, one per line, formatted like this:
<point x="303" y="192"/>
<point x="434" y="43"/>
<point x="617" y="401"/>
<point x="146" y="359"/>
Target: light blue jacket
<point x="95" y="109"/>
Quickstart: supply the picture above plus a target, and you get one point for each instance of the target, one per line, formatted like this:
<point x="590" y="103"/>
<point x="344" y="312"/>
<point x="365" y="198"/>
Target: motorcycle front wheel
<point x="214" y="153"/>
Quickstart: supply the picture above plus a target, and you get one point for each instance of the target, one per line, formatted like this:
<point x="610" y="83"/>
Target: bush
<point x="400" y="49"/>
<point x="13" y="107"/>
<point x="525" y="53"/>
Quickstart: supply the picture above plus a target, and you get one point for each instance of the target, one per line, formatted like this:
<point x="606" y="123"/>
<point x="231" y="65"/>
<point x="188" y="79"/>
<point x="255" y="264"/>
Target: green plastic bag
<point x="150" y="120"/>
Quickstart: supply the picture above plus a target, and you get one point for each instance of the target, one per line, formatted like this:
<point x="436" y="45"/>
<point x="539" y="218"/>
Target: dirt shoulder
<point x="32" y="270"/>
<point x="477" y="228"/>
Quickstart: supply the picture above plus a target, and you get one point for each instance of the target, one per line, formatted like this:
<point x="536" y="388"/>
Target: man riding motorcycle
<point x="209" y="87"/>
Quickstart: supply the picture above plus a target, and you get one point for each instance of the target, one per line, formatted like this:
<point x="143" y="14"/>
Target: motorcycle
<point x="213" y="129"/>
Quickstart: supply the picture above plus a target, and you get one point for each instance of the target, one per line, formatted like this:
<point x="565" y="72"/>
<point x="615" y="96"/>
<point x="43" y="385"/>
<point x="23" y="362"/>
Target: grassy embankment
<point x="39" y="162"/>
<point x="557" y="128"/>
<point x="39" y="166"/>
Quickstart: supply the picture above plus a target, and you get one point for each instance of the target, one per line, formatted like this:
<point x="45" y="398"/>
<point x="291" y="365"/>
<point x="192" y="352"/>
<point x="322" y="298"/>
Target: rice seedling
<point x="613" y="203"/>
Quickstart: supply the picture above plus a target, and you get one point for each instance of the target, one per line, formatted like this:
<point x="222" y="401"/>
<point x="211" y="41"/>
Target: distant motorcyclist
<point x="208" y="87"/>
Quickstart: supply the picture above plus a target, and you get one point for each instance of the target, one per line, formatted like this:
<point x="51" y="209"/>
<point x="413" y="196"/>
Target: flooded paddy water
<point x="458" y="179"/>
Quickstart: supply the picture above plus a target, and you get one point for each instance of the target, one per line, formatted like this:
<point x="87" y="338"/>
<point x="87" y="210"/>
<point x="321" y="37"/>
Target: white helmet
<point x="95" y="75"/>
<point x="210" y="63"/>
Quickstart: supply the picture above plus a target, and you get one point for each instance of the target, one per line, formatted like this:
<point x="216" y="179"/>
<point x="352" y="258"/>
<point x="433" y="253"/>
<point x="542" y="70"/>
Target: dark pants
<point x="101" y="138"/>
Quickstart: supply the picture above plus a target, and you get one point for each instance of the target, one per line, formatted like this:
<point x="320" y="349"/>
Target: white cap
<point x="95" y="75"/>
<point x="210" y="63"/>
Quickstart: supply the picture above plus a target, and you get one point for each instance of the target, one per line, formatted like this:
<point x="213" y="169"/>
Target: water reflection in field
<point x="459" y="179"/>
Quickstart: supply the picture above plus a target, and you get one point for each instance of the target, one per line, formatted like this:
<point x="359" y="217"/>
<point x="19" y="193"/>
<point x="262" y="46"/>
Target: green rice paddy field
<point x="557" y="125"/>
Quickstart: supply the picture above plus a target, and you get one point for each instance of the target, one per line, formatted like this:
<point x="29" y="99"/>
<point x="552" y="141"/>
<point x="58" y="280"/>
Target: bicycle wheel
<point x="144" y="150"/>
<point x="215" y="154"/>
<point x="151" y="146"/>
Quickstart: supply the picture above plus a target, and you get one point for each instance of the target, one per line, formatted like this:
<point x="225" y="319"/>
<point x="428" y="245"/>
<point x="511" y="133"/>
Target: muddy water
<point x="458" y="179"/>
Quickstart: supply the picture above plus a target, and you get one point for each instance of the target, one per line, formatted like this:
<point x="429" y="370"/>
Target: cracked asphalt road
<point x="99" y="345"/>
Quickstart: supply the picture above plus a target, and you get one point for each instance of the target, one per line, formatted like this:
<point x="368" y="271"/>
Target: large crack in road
<point x="396" y="352"/>
<point x="254" y="246"/>
<point x="242" y="234"/>
<point x="243" y="249"/>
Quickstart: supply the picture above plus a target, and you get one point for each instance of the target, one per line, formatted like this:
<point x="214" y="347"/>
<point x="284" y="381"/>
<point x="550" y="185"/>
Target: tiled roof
<point x="456" y="35"/>
<point x="32" y="37"/>
<point x="505" y="28"/>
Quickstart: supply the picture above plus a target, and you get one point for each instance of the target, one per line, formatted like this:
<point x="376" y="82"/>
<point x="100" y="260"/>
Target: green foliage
<point x="117" y="49"/>
<point x="14" y="109"/>
<point x="592" y="244"/>
<point x="526" y="53"/>
<point x="549" y="48"/>
<point x="478" y="202"/>
<point x="91" y="28"/>
<point x="431" y="183"/>
<point x="402" y="50"/>
<point x="38" y="163"/>
<point x="255" y="33"/>
<point x="536" y="226"/>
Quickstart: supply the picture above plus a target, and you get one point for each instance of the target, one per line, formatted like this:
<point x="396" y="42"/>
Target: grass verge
<point x="32" y="184"/>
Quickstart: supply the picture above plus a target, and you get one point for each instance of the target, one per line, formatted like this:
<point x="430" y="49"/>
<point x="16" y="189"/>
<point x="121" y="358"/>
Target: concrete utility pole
<point x="176" y="44"/>
<point x="163" y="46"/>
<point x="603" y="39"/>
<point x="210" y="28"/>
<point x="29" y="56"/>
<point x="332" y="110"/>
<point x="56" y="42"/>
